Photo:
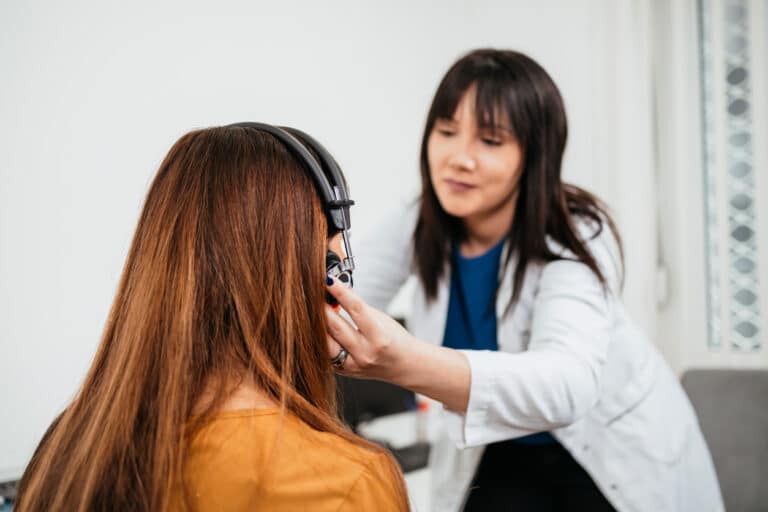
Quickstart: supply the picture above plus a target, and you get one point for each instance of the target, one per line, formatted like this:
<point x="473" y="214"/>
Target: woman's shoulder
<point x="396" y="221"/>
<point x="285" y="435"/>
<point x="600" y="240"/>
<point x="593" y="232"/>
<point x="383" y="251"/>
<point x="280" y="461"/>
<point x="374" y="488"/>
<point x="356" y="474"/>
<point x="329" y="448"/>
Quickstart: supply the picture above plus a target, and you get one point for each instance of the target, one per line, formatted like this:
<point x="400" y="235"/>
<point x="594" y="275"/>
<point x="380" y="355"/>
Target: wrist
<point x="403" y="364"/>
<point x="438" y="372"/>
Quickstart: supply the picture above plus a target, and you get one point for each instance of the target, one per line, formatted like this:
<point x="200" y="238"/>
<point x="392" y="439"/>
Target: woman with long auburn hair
<point x="211" y="388"/>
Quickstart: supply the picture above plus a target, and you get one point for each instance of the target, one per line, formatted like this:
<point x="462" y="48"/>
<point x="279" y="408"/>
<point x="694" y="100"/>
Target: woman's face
<point x="475" y="171"/>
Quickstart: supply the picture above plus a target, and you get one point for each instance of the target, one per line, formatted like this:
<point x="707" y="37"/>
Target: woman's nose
<point x="463" y="158"/>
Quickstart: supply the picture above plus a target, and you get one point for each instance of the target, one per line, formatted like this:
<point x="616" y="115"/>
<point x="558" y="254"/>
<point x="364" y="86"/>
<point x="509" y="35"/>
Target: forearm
<point x="440" y="373"/>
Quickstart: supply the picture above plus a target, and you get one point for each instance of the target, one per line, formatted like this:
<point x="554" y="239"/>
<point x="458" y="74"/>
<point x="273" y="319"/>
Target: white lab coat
<point x="570" y="362"/>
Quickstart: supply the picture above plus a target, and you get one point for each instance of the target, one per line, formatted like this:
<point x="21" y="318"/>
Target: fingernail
<point x="329" y="280"/>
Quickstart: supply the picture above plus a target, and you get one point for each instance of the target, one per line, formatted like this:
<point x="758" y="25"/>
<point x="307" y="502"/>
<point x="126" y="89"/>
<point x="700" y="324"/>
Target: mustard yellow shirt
<point x="257" y="460"/>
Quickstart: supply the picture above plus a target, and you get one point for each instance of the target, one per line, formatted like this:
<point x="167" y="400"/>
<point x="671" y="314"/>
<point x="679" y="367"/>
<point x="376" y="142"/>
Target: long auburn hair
<point x="225" y="277"/>
<point x="510" y="84"/>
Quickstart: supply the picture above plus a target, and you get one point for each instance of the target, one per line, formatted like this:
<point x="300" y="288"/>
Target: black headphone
<point x="331" y="186"/>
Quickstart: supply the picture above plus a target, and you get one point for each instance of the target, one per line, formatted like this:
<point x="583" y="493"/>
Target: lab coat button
<point x="585" y="447"/>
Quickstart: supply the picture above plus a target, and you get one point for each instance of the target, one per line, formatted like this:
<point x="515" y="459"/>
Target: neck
<point x="485" y="230"/>
<point x="240" y="394"/>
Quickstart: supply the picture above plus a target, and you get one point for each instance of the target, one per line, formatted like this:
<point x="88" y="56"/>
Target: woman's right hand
<point x="378" y="344"/>
<point x="380" y="348"/>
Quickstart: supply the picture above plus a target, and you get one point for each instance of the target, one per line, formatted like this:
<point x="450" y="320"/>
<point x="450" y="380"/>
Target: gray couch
<point x="732" y="406"/>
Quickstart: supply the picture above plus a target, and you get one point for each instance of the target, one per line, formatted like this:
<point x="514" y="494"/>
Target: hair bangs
<point x="449" y="95"/>
<point x="495" y="106"/>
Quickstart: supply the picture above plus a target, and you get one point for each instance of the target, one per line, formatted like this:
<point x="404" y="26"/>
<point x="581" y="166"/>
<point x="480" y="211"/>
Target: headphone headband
<point x="328" y="178"/>
<point x="326" y="173"/>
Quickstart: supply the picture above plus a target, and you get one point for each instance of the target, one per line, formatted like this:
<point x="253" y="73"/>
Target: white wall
<point x="94" y="93"/>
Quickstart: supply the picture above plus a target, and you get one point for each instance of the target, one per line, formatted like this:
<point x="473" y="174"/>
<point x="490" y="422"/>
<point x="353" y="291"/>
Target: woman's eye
<point x="490" y="141"/>
<point x="445" y="132"/>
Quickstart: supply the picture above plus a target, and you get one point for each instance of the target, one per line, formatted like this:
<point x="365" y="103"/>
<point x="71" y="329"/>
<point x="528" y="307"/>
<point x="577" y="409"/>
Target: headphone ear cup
<point x="332" y="260"/>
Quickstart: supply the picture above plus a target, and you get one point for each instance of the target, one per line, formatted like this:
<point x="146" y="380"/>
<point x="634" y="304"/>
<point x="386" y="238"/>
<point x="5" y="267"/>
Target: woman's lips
<point x="457" y="186"/>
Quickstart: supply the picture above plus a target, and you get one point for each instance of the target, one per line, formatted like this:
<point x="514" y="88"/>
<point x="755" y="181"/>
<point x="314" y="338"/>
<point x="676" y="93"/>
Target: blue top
<point x="471" y="321"/>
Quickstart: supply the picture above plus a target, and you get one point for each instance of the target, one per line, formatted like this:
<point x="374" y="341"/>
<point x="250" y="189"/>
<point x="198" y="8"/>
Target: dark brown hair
<point x="225" y="277"/>
<point x="510" y="84"/>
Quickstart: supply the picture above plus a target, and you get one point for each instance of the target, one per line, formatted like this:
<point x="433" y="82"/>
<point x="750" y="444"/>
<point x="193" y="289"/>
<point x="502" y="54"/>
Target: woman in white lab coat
<point x="554" y="399"/>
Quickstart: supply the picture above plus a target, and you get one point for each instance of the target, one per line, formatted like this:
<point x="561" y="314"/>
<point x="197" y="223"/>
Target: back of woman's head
<point x="224" y="280"/>
<point x="232" y="241"/>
